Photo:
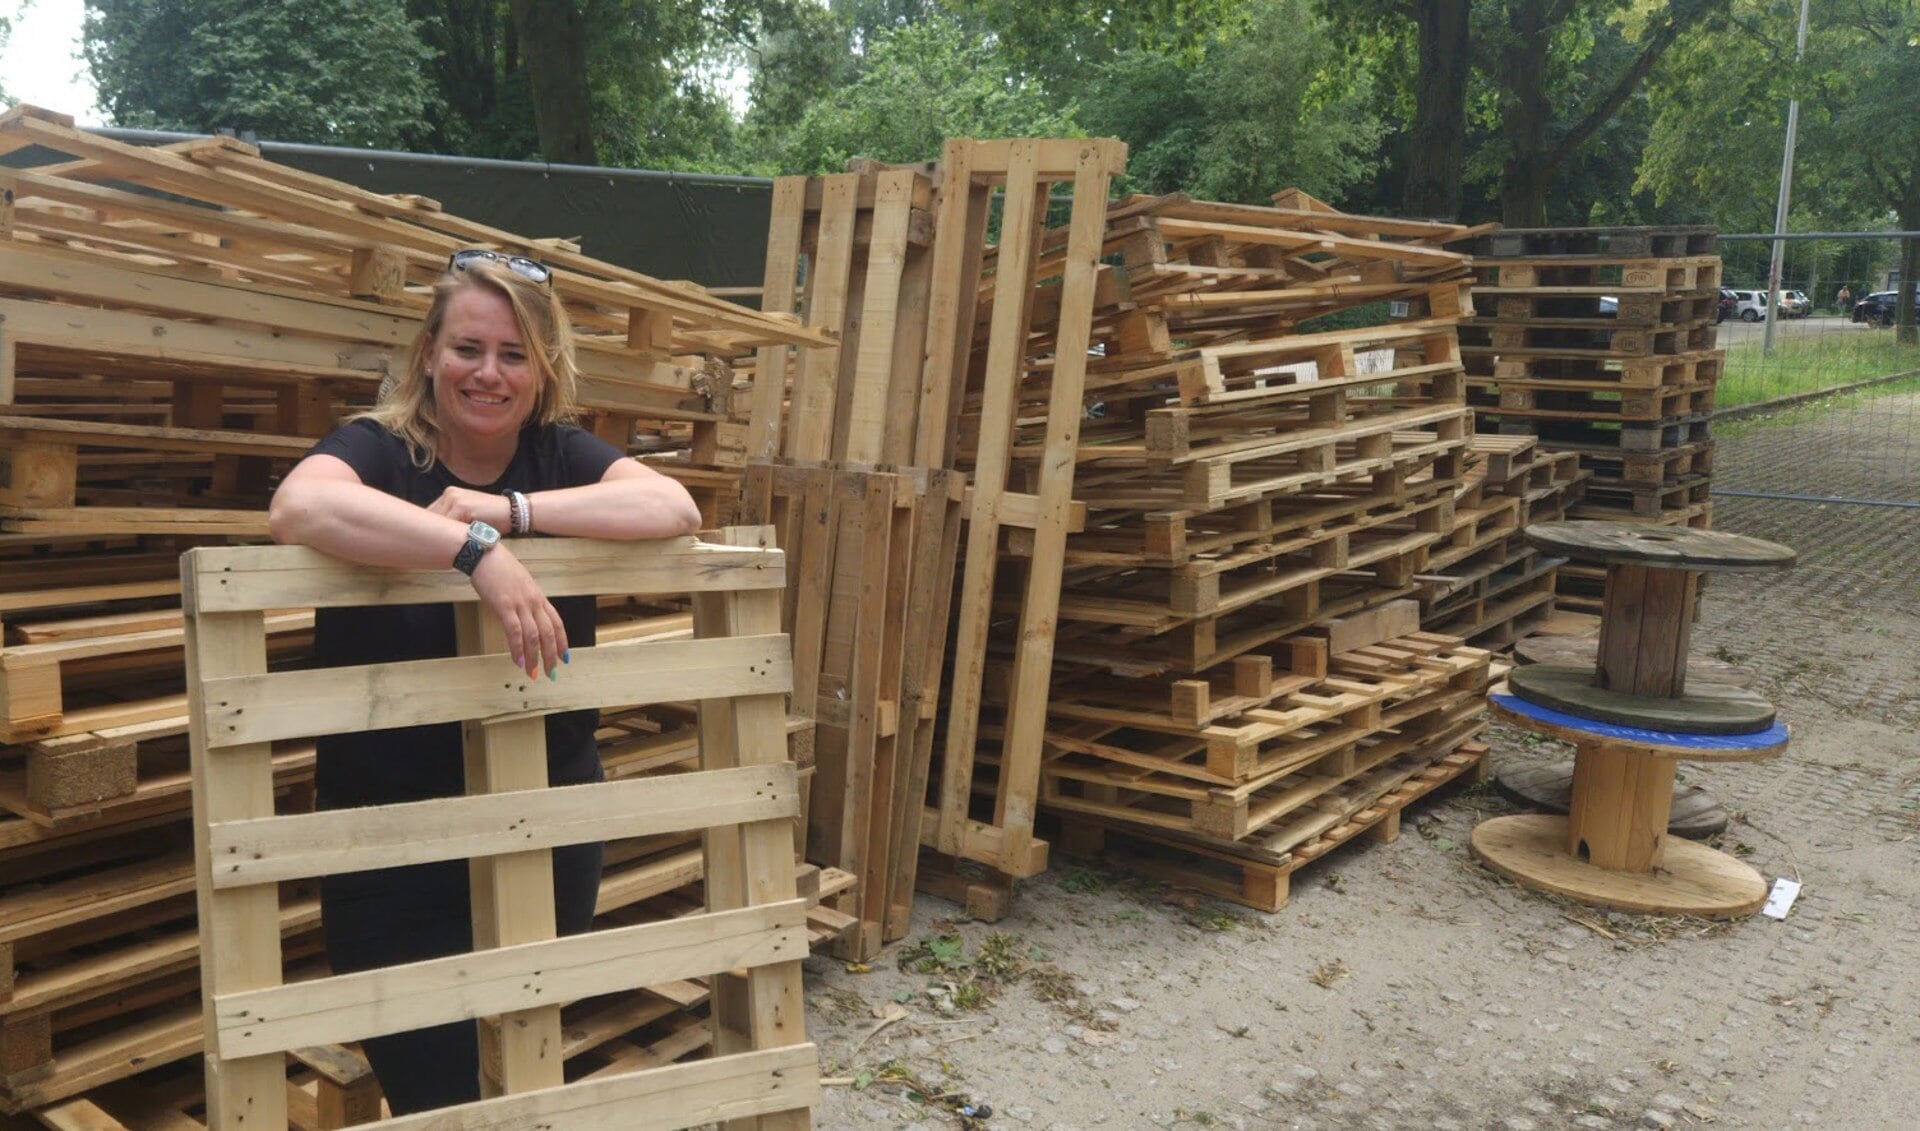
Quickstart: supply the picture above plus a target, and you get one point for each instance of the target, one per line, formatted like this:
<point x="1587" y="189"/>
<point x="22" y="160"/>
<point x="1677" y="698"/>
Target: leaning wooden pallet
<point x="872" y="536"/>
<point x="1000" y="835"/>
<point x="745" y="797"/>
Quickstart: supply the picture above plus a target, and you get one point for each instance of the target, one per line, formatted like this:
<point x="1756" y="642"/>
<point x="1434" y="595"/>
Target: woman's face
<point x="485" y="386"/>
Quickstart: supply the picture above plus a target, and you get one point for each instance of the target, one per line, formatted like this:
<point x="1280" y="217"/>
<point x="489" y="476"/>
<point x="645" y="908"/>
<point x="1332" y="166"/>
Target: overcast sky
<point x="42" y="63"/>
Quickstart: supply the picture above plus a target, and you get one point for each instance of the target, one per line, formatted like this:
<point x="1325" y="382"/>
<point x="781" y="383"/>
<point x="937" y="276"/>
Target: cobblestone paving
<point x="1407" y="987"/>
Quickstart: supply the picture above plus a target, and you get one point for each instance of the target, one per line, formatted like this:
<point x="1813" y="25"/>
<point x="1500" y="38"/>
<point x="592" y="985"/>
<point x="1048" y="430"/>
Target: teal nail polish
<point x="550" y="674"/>
<point x="566" y="657"/>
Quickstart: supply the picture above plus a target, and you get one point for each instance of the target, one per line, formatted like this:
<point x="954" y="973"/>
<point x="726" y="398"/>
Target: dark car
<point x="1876" y="309"/>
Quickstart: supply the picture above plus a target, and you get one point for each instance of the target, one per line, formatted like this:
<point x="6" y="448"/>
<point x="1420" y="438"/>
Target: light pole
<point x="1786" y="189"/>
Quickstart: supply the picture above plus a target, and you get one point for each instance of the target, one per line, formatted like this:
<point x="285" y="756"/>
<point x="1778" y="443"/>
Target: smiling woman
<point x="473" y="442"/>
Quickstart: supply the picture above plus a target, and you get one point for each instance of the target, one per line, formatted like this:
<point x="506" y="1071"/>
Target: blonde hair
<point x="406" y="407"/>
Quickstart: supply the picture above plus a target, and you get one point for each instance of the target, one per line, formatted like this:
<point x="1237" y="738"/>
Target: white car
<point x="1750" y="306"/>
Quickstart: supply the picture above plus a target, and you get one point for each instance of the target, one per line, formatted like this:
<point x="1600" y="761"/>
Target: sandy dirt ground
<point x="1407" y="986"/>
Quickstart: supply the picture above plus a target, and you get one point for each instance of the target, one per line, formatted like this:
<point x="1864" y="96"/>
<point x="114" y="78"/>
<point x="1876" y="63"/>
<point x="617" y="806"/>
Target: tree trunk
<point x="1438" y="141"/>
<point x="1528" y="172"/>
<point x="553" y="36"/>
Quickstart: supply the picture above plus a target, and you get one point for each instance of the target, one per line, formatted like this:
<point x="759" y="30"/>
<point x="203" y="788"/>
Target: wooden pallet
<point x="1644" y="310"/>
<point x="1552" y="400"/>
<point x="1585" y="275"/>
<point x="746" y="793"/>
<point x="1632" y="436"/>
<point x="1614" y="467"/>
<point x="1088" y="776"/>
<point x="1027" y="169"/>
<point x="867" y="609"/>
<point x="1256" y="876"/>
<point x="1613" y="243"/>
<point x="1579" y="342"/>
<point x="1646" y="500"/>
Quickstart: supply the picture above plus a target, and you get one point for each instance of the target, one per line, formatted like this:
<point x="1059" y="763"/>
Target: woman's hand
<point x="468" y="505"/>
<point x="536" y="638"/>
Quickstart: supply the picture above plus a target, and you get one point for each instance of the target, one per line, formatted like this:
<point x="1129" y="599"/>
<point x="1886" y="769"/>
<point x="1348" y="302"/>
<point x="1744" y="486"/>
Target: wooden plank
<point x="512" y="893"/>
<point x="750" y="865"/>
<point x="777" y="295"/>
<point x="722" y="1089"/>
<point x="294" y="704"/>
<point x="815" y="395"/>
<point x="355" y="840"/>
<point x="272" y="577"/>
<point x="240" y="929"/>
<point x="873" y="372"/>
<point x="959" y="239"/>
<point x="437" y="991"/>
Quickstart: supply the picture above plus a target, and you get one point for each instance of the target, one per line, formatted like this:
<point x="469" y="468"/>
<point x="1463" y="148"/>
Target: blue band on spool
<point x="1759" y="740"/>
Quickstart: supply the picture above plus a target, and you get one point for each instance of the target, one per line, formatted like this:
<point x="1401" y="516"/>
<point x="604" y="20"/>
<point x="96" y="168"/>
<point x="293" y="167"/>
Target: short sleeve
<point x="375" y="454"/>
<point x="584" y="457"/>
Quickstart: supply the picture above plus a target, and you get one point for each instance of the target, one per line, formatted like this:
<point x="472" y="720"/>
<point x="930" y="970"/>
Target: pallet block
<point x="749" y="941"/>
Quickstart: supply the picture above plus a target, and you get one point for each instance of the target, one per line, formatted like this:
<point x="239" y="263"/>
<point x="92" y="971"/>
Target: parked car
<point x="1876" y="309"/>
<point x="1795" y="304"/>
<point x="1727" y="306"/>
<point x="1751" y="306"/>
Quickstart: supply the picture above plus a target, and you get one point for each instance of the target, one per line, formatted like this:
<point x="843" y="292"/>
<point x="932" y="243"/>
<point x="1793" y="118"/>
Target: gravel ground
<point x="1406" y="986"/>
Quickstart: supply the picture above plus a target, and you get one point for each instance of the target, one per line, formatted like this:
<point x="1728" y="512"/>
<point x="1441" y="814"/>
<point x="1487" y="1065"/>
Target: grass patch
<point x="1812" y="362"/>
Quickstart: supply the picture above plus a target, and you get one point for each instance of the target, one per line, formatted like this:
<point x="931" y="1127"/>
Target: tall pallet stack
<point x="1246" y="480"/>
<point x="1600" y="341"/>
<point x="853" y="460"/>
<point x="176" y="326"/>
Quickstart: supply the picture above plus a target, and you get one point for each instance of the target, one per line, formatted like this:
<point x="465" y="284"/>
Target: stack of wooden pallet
<point x="1483" y="582"/>
<point x="853" y="463"/>
<point x="1244" y="478"/>
<point x="179" y="324"/>
<point x="1600" y="341"/>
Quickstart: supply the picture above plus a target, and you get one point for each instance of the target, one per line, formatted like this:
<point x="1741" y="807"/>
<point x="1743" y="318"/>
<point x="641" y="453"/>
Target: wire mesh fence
<point x="1821" y="402"/>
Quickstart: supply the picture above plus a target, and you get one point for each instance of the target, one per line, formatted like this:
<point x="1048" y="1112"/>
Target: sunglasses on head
<point x="531" y="270"/>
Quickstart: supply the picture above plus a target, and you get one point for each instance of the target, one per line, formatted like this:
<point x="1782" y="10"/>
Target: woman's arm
<point x="322" y="503"/>
<point x="630" y="502"/>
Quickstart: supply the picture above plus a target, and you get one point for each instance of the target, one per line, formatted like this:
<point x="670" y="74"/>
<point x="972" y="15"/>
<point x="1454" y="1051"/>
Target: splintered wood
<point x="748" y="941"/>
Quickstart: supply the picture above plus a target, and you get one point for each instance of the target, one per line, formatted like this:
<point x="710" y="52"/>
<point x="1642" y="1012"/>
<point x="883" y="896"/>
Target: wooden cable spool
<point x="1631" y="718"/>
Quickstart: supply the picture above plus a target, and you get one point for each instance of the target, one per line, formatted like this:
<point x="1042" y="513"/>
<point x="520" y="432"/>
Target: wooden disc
<point x="1692" y="879"/>
<point x="1584" y="652"/>
<point x="1712" y="708"/>
<point x="1510" y="708"/>
<point x="1548" y="785"/>
<point x="1659" y="547"/>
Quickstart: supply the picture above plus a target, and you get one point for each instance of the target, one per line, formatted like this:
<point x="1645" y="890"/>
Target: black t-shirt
<point x="416" y="763"/>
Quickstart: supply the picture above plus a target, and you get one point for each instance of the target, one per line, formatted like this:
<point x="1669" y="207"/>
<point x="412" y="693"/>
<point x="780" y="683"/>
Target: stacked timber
<point x="851" y="460"/>
<point x="1600" y="341"/>
<point x="1483" y="582"/>
<point x="1248" y="472"/>
<point x="179" y="324"/>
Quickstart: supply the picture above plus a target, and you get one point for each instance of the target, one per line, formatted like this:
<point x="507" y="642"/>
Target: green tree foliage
<point x="345" y="72"/>
<point x="1858" y="159"/>
<point x="918" y="85"/>
<point x="1253" y="113"/>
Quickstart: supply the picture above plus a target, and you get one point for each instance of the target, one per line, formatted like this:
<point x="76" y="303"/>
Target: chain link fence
<point x="1820" y="402"/>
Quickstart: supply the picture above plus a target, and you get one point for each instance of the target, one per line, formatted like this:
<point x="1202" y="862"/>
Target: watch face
<point x="483" y="534"/>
